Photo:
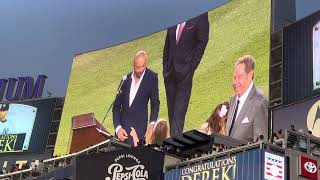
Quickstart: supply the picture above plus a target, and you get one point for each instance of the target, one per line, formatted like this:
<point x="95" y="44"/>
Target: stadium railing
<point x="297" y="141"/>
<point x="63" y="161"/>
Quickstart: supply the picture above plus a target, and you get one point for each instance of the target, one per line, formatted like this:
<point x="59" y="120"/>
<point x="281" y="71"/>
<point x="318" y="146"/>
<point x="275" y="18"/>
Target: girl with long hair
<point x="159" y="132"/>
<point x="216" y="123"/>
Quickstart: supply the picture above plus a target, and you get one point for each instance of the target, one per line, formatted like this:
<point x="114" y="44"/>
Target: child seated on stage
<point x="159" y="132"/>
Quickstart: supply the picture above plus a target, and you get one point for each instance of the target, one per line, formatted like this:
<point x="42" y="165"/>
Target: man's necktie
<point x="234" y="116"/>
<point x="181" y="26"/>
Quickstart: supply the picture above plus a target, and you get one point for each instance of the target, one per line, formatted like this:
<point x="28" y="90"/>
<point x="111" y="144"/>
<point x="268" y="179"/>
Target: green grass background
<point x="236" y="28"/>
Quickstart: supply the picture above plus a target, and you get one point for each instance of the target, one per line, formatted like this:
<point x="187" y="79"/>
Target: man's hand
<point x="122" y="134"/>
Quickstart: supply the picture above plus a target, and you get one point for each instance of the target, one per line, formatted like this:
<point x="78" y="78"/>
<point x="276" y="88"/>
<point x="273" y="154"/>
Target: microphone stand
<point x="111" y="105"/>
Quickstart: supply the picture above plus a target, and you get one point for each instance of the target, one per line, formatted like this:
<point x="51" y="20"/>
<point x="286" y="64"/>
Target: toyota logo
<point x="310" y="167"/>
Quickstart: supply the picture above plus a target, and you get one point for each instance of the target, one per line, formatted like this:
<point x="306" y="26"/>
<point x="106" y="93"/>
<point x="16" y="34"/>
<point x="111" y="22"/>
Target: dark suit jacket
<point x="136" y="116"/>
<point x="185" y="56"/>
<point x="252" y="120"/>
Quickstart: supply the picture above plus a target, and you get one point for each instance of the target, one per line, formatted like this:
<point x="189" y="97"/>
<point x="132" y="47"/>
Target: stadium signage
<point x="304" y="115"/>
<point x="11" y="142"/>
<point x="308" y="168"/>
<point x="21" y="88"/>
<point x="243" y="165"/>
<point x="219" y="169"/>
<point x="274" y="167"/>
<point x="141" y="163"/>
<point x="121" y="172"/>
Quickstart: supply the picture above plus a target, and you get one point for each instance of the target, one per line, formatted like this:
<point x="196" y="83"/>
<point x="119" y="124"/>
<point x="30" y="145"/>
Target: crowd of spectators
<point x="35" y="165"/>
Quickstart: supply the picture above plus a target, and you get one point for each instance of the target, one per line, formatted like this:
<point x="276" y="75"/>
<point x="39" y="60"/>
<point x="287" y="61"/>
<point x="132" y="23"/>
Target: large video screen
<point x="25" y="125"/>
<point x="301" y="59"/>
<point x="207" y="73"/>
<point x="16" y="124"/>
<point x="316" y="55"/>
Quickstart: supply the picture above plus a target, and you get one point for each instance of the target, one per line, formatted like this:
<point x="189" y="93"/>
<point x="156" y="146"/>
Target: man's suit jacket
<point x="185" y="56"/>
<point x="136" y="115"/>
<point x="252" y="120"/>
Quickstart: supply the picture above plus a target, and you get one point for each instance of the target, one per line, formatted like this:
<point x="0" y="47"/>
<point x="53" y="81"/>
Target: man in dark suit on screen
<point x="130" y="109"/>
<point x="184" y="47"/>
<point x="248" y="114"/>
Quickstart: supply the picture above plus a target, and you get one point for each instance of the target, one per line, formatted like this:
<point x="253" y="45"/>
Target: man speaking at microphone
<point x="130" y="109"/>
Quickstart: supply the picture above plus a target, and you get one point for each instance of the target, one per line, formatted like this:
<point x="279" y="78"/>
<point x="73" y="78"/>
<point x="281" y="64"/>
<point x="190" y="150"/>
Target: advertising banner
<point x="11" y="142"/>
<point x="308" y="168"/>
<point x="242" y="166"/>
<point x="140" y="163"/>
<point x="303" y="115"/>
<point x="274" y="167"/>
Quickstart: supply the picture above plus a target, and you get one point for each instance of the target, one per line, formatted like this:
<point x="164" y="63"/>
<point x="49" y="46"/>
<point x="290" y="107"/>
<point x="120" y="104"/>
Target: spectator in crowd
<point x="292" y="128"/>
<point x="301" y="131"/>
<point x="292" y="140"/>
<point x="25" y="166"/>
<point x="273" y="137"/>
<point x="280" y="134"/>
<point x="12" y="168"/>
<point x="159" y="132"/>
<point x="260" y="138"/>
<point x="302" y="142"/>
<point x="216" y="123"/>
<point x="40" y="166"/>
<point x="4" y="170"/>
<point x="16" y="168"/>
<point x="33" y="164"/>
